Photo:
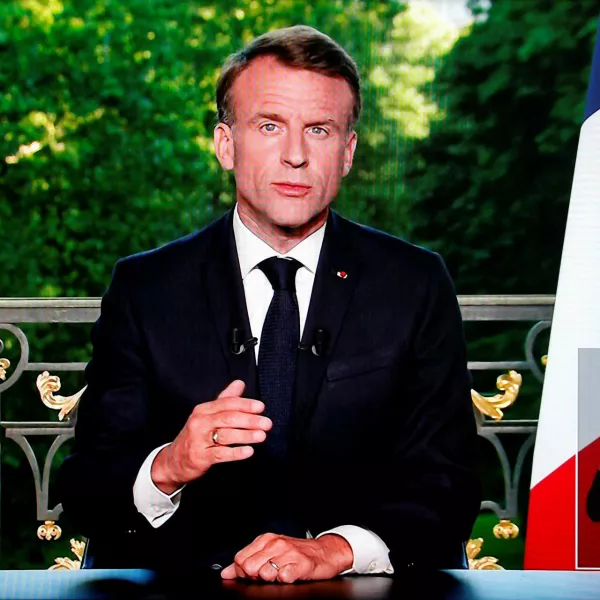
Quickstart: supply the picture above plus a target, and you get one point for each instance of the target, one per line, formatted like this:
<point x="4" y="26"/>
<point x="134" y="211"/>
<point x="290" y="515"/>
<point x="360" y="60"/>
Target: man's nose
<point x="295" y="152"/>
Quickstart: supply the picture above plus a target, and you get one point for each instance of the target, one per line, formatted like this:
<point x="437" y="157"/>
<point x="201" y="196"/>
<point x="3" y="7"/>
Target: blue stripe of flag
<point x="593" y="98"/>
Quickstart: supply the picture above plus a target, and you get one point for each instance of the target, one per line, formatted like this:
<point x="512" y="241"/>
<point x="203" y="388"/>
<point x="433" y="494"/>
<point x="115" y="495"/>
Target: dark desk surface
<point x="441" y="585"/>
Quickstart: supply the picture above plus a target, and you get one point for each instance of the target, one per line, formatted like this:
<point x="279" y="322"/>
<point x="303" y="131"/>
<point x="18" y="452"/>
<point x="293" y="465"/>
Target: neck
<point x="281" y="238"/>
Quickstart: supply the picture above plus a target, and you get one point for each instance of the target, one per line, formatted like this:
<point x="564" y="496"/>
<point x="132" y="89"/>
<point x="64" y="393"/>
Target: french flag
<point x="560" y="534"/>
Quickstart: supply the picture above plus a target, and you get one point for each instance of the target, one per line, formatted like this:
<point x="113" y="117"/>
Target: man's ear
<point x="349" y="150"/>
<point x="223" y="137"/>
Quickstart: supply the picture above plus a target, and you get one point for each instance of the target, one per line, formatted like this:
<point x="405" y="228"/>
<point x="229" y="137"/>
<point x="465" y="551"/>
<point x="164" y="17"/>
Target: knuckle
<point x="229" y="419"/>
<point x="220" y="420"/>
<point x="237" y="453"/>
<point x="275" y="544"/>
<point x="224" y="403"/>
<point x="220" y="453"/>
<point x="196" y="422"/>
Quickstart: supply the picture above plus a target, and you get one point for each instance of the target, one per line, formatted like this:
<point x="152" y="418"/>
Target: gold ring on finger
<point x="215" y="436"/>
<point x="274" y="565"/>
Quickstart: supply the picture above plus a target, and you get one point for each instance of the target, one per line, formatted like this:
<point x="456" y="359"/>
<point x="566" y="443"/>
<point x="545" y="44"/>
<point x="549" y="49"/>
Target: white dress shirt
<point x="371" y="555"/>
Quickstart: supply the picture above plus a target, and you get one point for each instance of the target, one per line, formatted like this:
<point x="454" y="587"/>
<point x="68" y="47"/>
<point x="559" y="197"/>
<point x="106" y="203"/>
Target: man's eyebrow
<point x="331" y="122"/>
<point x="276" y="117"/>
<point x="266" y="115"/>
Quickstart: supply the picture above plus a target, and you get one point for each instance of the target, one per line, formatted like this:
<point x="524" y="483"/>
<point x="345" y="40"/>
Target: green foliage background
<point x="466" y="145"/>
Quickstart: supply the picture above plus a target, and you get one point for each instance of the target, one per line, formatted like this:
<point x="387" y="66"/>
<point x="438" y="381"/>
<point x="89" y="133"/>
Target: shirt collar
<point x="252" y="250"/>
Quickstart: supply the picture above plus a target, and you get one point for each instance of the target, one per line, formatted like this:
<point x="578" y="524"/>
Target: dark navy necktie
<point x="278" y="352"/>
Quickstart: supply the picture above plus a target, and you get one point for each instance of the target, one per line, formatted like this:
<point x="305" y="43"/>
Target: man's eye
<point x="318" y="131"/>
<point x="269" y="127"/>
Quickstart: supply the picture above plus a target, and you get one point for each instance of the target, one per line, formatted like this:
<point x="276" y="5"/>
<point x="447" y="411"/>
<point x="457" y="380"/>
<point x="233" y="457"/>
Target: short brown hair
<point x="300" y="47"/>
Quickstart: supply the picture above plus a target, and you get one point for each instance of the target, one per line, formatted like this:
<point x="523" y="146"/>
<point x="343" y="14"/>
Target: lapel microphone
<point x="320" y="341"/>
<point x="237" y="345"/>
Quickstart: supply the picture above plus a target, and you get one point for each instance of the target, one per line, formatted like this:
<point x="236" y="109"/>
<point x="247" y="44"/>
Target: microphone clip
<point x="318" y="347"/>
<point x="237" y="345"/>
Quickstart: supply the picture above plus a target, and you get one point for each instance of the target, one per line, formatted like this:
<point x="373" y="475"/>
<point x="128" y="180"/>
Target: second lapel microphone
<point x="238" y="346"/>
<point x="320" y="341"/>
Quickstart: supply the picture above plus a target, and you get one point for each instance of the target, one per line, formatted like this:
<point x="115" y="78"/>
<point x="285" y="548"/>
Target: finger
<point x="233" y="571"/>
<point x="229" y="572"/>
<point x="243" y="575"/>
<point x="238" y="420"/>
<point x="253" y="564"/>
<point x="256" y="546"/>
<point x="235" y="388"/>
<point x="291" y="572"/>
<point x="268" y="572"/>
<point x="233" y="403"/>
<point x="227" y="437"/>
<point x="222" y="454"/>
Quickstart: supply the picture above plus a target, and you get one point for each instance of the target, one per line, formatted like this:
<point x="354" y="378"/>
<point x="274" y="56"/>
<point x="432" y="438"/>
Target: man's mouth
<point x="292" y="189"/>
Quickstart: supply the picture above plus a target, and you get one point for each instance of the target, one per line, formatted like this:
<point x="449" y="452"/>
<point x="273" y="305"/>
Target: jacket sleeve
<point x="428" y="494"/>
<point x="112" y="436"/>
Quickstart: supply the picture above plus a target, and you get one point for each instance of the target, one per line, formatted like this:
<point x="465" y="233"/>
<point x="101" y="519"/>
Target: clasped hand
<point x="297" y="559"/>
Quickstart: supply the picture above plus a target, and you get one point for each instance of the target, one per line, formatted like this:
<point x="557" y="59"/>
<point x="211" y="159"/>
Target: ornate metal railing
<point x="14" y="312"/>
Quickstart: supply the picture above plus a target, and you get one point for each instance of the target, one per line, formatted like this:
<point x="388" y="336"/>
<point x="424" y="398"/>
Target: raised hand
<point x="209" y="436"/>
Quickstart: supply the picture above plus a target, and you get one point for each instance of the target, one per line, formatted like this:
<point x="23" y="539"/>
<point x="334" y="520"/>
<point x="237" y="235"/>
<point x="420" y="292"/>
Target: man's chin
<point x="295" y="219"/>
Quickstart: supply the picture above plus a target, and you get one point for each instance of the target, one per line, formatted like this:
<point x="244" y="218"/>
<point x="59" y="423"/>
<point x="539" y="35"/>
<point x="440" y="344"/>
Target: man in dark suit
<point x="283" y="395"/>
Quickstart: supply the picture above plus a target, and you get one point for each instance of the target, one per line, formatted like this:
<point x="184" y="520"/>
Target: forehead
<point x="268" y="85"/>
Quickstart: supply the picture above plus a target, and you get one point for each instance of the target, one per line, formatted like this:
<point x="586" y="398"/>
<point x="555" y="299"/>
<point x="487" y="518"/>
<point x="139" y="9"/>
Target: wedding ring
<point x="274" y="565"/>
<point x="215" y="436"/>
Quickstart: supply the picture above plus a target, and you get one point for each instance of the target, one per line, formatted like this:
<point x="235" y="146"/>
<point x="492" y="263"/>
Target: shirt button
<point x="372" y="566"/>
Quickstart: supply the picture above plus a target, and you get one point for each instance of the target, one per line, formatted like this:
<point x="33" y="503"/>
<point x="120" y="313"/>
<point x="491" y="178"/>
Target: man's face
<point x="289" y="145"/>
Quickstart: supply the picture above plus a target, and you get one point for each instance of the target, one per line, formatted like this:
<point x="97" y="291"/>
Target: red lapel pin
<point x="342" y="274"/>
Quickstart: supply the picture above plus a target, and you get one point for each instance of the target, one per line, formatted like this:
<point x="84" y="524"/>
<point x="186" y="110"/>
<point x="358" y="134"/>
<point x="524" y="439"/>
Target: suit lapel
<point x="329" y="302"/>
<point x="225" y="296"/>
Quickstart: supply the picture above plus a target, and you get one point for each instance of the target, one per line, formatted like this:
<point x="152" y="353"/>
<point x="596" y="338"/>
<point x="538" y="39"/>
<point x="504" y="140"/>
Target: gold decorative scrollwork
<point x="49" y="531"/>
<point x="492" y="406"/>
<point x="48" y="384"/>
<point x="486" y="563"/>
<point x="506" y="529"/>
<point x="68" y="564"/>
<point x="4" y="364"/>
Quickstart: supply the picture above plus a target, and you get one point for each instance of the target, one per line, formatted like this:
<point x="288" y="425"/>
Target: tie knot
<point x="281" y="272"/>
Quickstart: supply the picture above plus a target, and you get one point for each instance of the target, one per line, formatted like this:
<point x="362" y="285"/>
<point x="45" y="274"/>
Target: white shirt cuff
<point x="371" y="554"/>
<point x="154" y="504"/>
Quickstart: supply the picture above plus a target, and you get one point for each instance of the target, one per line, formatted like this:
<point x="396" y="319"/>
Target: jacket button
<point x="216" y="567"/>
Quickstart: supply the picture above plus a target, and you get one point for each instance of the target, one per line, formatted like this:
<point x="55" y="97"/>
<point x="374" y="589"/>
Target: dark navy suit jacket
<point x="384" y="431"/>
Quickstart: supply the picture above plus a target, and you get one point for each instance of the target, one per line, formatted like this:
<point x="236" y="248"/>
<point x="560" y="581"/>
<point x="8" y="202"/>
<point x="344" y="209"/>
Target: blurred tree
<point x="490" y="187"/>
<point x="399" y="109"/>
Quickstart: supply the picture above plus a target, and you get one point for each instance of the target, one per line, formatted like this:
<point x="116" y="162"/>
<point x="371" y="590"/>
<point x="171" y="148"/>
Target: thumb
<point x="235" y="388"/>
